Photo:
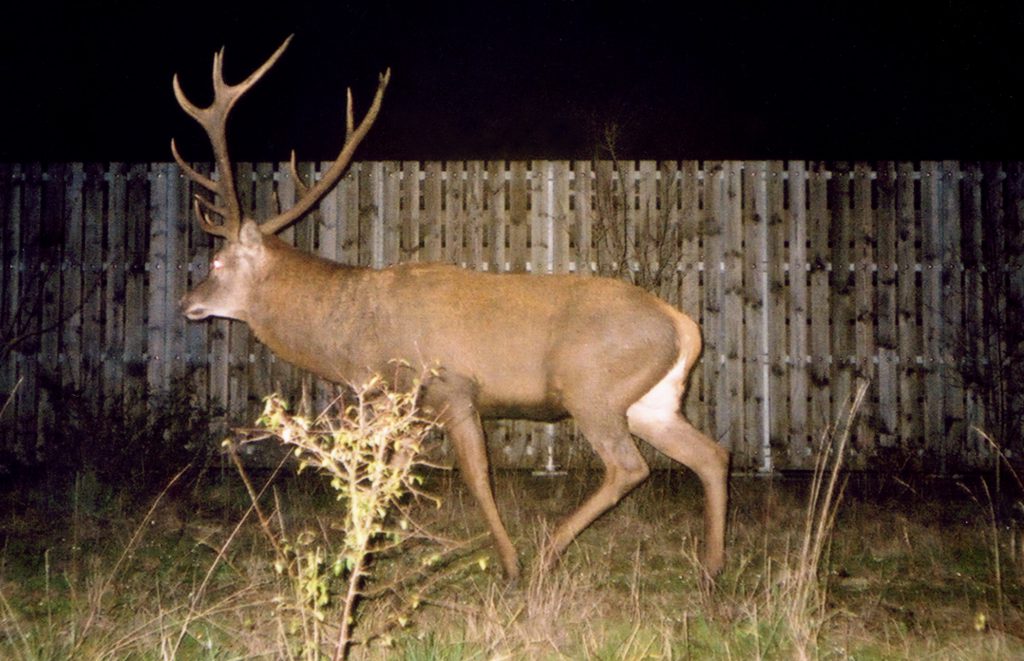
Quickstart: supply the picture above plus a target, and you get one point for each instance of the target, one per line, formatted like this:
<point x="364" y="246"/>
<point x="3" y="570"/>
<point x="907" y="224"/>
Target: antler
<point x="214" y="120"/>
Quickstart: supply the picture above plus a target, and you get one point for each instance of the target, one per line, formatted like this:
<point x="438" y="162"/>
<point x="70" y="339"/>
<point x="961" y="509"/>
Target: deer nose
<point x="191" y="309"/>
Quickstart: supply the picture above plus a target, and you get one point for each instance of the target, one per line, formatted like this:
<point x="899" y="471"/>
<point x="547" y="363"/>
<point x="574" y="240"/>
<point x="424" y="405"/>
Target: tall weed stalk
<point x="804" y="590"/>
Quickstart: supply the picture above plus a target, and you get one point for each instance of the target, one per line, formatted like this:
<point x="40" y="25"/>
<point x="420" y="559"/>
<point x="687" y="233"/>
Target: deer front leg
<point x="462" y="423"/>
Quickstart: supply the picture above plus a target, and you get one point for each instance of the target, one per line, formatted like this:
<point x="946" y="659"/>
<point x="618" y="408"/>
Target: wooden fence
<point x="804" y="276"/>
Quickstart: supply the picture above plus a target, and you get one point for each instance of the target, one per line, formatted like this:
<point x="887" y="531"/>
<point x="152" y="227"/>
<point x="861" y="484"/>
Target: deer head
<point x="222" y="294"/>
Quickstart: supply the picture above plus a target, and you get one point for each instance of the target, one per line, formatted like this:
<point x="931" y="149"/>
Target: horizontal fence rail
<point x="805" y="277"/>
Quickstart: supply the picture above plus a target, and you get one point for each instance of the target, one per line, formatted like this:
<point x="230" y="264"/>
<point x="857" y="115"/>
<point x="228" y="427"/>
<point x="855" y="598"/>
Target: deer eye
<point x="217" y="264"/>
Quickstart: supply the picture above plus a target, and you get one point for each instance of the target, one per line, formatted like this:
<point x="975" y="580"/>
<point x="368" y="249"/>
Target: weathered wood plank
<point x="177" y="273"/>
<point x="72" y="282"/>
<point x="1013" y="316"/>
<point x="690" y="279"/>
<point x="10" y="230"/>
<point x="433" y="213"/>
<point x="841" y="280"/>
<point x="561" y="258"/>
<point x="411" y="200"/>
<point x="887" y="338"/>
<point x="820" y="310"/>
<point x="135" y="287"/>
<point x="158" y="264"/>
<point x="799" y="444"/>
<point x="972" y="341"/>
<point x="26" y="311"/>
<point x="931" y="312"/>
<point x="995" y="301"/>
<point x="583" y="217"/>
<point x="198" y="361"/>
<point x="51" y="270"/>
<point x="956" y="430"/>
<point x="864" y="310"/>
<point x="391" y="214"/>
<point x="778" y="391"/>
<point x="114" y="287"/>
<point x="540" y="216"/>
<point x="908" y="303"/>
<point x="519" y="222"/>
<point x="495" y="216"/>
<point x="454" y="212"/>
<point x="753" y="281"/>
<point x="732" y="315"/>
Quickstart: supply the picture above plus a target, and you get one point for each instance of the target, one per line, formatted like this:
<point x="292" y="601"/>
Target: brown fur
<point x="509" y="345"/>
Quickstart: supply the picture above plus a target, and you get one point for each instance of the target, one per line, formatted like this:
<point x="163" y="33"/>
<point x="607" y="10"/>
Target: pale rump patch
<point x="660" y="406"/>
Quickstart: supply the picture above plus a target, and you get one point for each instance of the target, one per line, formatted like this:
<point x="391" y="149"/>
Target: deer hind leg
<point x="659" y="422"/>
<point x="624" y="468"/>
<point x="467" y="437"/>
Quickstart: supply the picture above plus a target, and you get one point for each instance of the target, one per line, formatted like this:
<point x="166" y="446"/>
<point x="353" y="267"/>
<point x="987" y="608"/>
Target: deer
<point x="610" y="355"/>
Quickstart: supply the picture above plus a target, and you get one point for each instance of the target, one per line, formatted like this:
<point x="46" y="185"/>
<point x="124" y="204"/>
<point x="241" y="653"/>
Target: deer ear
<point x="250" y="235"/>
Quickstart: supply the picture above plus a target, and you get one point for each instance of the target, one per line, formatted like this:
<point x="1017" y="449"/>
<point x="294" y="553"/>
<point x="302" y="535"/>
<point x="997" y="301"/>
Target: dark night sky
<point x="91" y="80"/>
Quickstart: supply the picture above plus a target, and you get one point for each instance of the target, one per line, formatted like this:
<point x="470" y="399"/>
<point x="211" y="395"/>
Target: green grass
<point x="910" y="571"/>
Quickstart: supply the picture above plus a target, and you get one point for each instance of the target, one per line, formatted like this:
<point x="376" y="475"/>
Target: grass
<point x="913" y="567"/>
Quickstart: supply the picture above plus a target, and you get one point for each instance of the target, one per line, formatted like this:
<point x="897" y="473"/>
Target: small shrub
<point x="367" y="451"/>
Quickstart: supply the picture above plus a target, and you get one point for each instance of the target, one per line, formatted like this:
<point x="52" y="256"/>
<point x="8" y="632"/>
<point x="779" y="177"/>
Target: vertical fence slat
<point x="454" y="212"/>
<point x="159" y="310"/>
<point x="842" y="292"/>
<point x="519" y="224"/>
<point x="50" y="273"/>
<point x="798" y="446"/>
<point x="994" y="283"/>
<point x="931" y="310"/>
<point x="911" y="425"/>
<point x="864" y="307"/>
<point x="114" y="290"/>
<point x="178" y="277"/>
<point x="887" y="340"/>
<point x="583" y="217"/>
<point x="1012" y="317"/>
<point x="432" y="212"/>
<point x="821" y="305"/>
<point x="72" y="284"/>
<point x="198" y="363"/>
<point x="27" y="308"/>
<point x="972" y="344"/>
<point x="390" y="214"/>
<point x="561" y="257"/>
<point x="732" y="311"/>
<point x="952" y="310"/>
<point x="135" y="288"/>
<point x="410" y="201"/>
<point x="754" y="322"/>
<point x="540" y="214"/>
<point x="778" y="409"/>
<point x="10" y="216"/>
<point x="495" y="217"/>
<point x="714" y="337"/>
<point x="690" y="276"/>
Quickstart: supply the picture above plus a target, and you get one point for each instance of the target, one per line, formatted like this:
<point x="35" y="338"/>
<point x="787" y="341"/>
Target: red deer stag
<point x="539" y="347"/>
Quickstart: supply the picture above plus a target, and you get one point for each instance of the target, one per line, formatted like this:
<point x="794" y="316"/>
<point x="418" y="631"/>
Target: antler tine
<point x="300" y="185"/>
<point x="213" y="119"/>
<point x="353" y="136"/>
<point x="349" y="118"/>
